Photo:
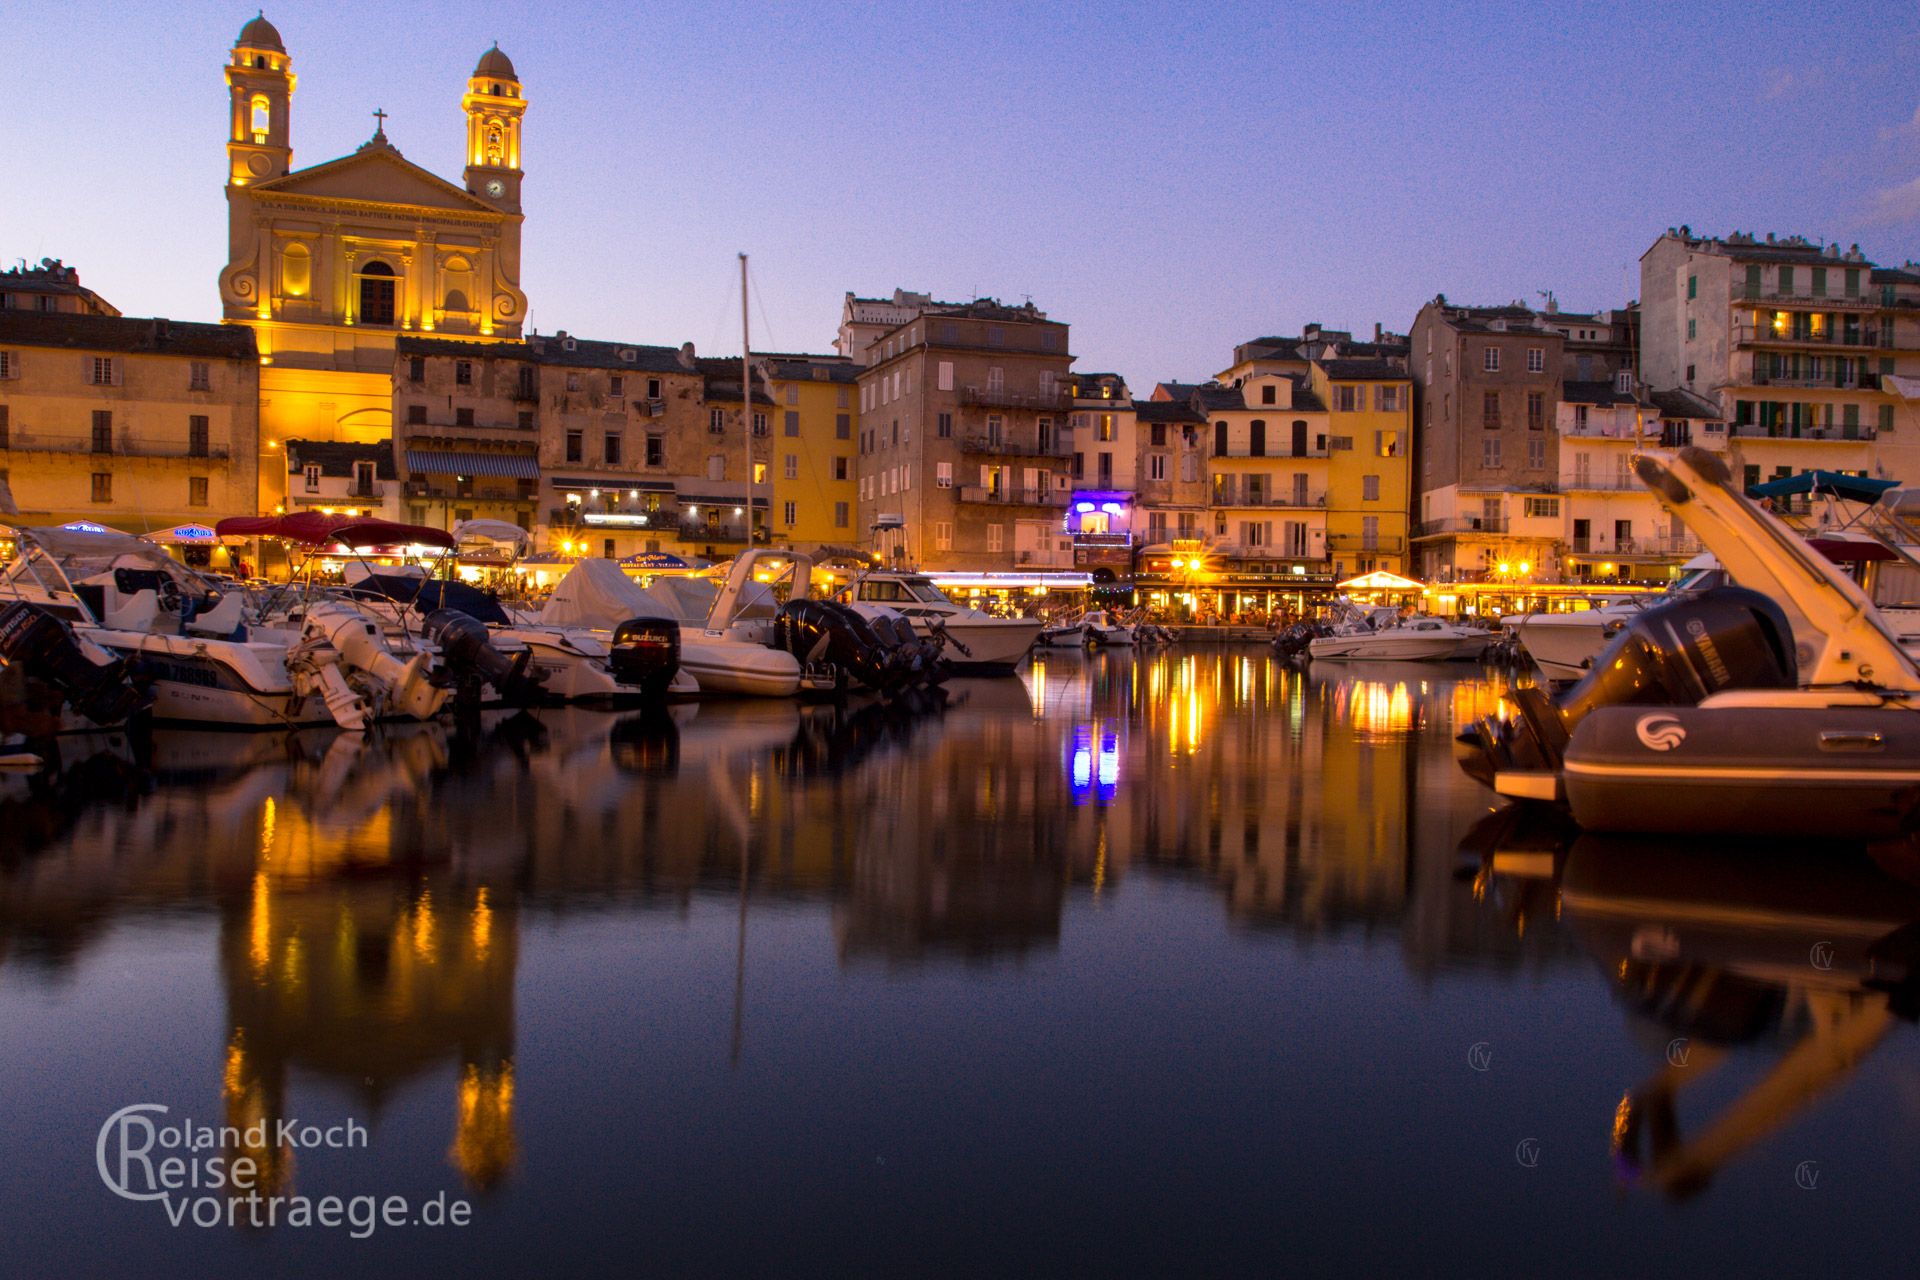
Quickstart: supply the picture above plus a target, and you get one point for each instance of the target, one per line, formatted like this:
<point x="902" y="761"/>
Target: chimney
<point x="1376" y="331"/>
<point x="686" y="355"/>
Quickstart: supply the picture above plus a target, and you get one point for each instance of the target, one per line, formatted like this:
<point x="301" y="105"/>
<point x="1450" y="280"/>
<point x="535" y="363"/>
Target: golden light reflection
<point x="423" y="926"/>
<point x="482" y="924"/>
<point x="260" y="934"/>
<point x="484" y="1145"/>
<point x="268" y="816"/>
<point x="1374" y="707"/>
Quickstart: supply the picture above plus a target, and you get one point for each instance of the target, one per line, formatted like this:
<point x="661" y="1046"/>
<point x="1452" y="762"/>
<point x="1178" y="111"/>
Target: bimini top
<point x="317" y="529"/>
<point x="1836" y="483"/>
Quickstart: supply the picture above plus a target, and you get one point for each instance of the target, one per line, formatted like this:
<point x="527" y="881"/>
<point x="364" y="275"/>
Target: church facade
<point x="331" y="264"/>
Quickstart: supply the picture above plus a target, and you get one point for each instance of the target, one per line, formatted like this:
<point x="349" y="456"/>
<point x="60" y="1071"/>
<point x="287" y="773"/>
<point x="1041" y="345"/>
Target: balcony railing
<point x="1836" y="433"/>
<point x="1014" y="497"/>
<point x="1271" y="452"/>
<point x="1746" y="335"/>
<point x="1645" y="545"/>
<point x="994" y="398"/>
<point x="1600" y="484"/>
<point x="1043" y="559"/>
<point x="1230" y="497"/>
<point x="465" y="493"/>
<point x="1008" y="444"/>
<point x="1390" y="543"/>
<point x="1461" y="524"/>
<point x="124" y="446"/>
<point x="1799" y="297"/>
<point x="367" y="489"/>
<point x="720" y="531"/>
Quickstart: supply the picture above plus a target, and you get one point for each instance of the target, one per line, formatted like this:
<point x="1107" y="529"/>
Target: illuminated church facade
<point x="331" y="264"/>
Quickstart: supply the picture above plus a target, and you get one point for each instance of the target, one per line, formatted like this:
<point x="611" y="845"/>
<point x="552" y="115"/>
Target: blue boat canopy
<point x="1837" y="483"/>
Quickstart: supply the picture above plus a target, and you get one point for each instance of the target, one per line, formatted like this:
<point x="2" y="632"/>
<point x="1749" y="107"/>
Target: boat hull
<point x="1842" y="773"/>
<point x="995" y="647"/>
<point x="1384" y="646"/>
<point x="1564" y="646"/>
<point x="738" y="668"/>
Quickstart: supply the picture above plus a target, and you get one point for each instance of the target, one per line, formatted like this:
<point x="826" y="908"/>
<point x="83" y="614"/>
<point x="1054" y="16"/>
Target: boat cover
<point x="688" y="599"/>
<point x="426" y="595"/>
<point x="598" y="593"/>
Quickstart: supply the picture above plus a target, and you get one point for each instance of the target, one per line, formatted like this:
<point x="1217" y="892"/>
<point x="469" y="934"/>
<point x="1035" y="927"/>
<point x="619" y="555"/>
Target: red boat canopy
<point x="317" y="529"/>
<point x="1850" y="550"/>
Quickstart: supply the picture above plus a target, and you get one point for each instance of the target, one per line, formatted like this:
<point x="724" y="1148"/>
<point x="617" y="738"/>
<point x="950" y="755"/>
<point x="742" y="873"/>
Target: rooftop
<point x="130" y="334"/>
<point x="1346" y="370"/>
<point x="337" y="459"/>
<point x="584" y="353"/>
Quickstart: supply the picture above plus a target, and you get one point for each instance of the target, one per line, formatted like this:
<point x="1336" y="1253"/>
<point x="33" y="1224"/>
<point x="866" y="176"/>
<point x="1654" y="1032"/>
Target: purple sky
<point x="1169" y="179"/>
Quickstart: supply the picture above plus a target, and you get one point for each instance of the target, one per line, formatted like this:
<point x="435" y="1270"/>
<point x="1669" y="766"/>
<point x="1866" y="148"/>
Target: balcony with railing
<point x="122" y="445"/>
<point x="520" y="492"/>
<point x="1000" y="398"/>
<point x="702" y="530"/>
<point x="1766" y="335"/>
<point x="1580" y="482"/>
<point x="1830" y="433"/>
<point x="370" y="489"/>
<point x="1015" y="444"/>
<point x="1799" y="296"/>
<point x="1460" y="524"/>
<point x="1631" y="546"/>
<point x="1242" y="496"/>
<point x="1384" y="543"/>
<point x="1013" y="496"/>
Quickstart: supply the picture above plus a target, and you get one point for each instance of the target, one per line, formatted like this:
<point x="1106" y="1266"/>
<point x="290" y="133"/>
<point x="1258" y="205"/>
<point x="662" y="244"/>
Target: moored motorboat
<point x="1376" y="635"/>
<point x="1103" y="630"/>
<point x="976" y="642"/>
<point x="1784" y="709"/>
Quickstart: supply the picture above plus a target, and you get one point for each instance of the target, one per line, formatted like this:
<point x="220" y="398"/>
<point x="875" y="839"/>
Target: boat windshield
<point x="926" y="592"/>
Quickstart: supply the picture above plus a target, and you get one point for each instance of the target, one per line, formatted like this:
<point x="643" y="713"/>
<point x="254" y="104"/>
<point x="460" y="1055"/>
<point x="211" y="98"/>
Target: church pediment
<point x="375" y="174"/>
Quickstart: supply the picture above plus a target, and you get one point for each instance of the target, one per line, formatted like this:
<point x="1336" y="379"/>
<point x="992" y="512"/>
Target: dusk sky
<point x="1168" y="179"/>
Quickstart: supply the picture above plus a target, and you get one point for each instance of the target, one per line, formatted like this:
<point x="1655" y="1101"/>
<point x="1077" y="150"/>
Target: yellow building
<point x="1370" y="435"/>
<point x="330" y="263"/>
<point x="138" y="425"/>
<point x="815" y="490"/>
<point x="1269" y="470"/>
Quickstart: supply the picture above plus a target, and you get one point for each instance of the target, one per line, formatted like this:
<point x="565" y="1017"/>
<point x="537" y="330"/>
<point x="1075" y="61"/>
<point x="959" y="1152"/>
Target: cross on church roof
<point x="380" y="116"/>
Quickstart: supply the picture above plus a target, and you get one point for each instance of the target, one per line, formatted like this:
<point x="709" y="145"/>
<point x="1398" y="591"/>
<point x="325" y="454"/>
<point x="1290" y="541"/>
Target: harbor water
<point x="1177" y="961"/>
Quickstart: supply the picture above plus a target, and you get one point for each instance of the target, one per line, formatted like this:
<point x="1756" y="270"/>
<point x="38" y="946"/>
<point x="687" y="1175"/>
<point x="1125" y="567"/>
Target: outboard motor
<point x="1293" y="642"/>
<point x="645" y="653"/>
<point x="821" y="631"/>
<point x="1678" y="654"/>
<point x="467" y="652"/>
<point x="46" y="649"/>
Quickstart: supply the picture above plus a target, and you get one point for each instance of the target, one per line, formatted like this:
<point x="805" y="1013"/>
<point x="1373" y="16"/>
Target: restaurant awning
<point x="1381" y="580"/>
<point x="1837" y="483"/>
<point x="514" y="466"/>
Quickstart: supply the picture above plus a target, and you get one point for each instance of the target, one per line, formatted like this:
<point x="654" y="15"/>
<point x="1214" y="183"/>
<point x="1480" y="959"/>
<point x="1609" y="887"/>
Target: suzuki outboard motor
<point x="645" y="653"/>
<point x="46" y="649"/>
<point x="466" y="650"/>
<point x="1678" y="654"/>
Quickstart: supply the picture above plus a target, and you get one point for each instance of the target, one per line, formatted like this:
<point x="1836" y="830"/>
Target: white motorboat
<point x="1564" y="645"/>
<point x="1470" y="643"/>
<point x="1370" y="635"/>
<point x="976" y="641"/>
<point x="1071" y="635"/>
<point x="597" y="595"/>
<point x="574" y="662"/>
<point x="201" y="649"/>
<point x="1102" y="628"/>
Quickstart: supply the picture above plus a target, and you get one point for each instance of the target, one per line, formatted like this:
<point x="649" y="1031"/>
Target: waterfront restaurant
<point x="1220" y="582"/>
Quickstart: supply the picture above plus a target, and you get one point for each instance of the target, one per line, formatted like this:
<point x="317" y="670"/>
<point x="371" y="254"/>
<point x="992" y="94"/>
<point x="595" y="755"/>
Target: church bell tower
<point x="260" y="84"/>
<point x="494" y="106"/>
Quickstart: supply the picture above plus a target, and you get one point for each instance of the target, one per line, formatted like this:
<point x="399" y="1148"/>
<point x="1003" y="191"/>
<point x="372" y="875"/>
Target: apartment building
<point x="1101" y="518"/>
<point x="863" y="321"/>
<point x="1797" y="342"/>
<point x="51" y="286"/>
<point x="963" y="435"/>
<point x="1487" y="384"/>
<point x="1171" y="481"/>
<point x="134" y="424"/>
<point x="1370" y="446"/>
<point x="1269" y="471"/>
<point x="815" y="472"/>
<point x="339" y="476"/>
<point x="1615" y="528"/>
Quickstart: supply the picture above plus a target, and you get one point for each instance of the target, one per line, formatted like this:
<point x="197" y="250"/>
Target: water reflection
<point x="372" y="900"/>
<point x="1759" y="977"/>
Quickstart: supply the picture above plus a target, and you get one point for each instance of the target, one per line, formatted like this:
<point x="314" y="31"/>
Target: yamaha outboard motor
<point x="467" y="652"/>
<point x="45" y="649"/>
<point x="646" y="654"/>
<point x="1678" y="654"/>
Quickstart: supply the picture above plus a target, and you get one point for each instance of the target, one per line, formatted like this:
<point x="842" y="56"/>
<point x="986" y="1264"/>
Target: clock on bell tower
<point x="494" y="106"/>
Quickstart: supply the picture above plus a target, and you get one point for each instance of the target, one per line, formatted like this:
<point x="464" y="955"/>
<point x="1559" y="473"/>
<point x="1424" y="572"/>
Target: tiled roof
<point x="1349" y="370"/>
<point x="126" y="333"/>
<point x="585" y="353"/>
<point x="1681" y="403"/>
<point x="1602" y="395"/>
<point x="805" y="368"/>
<point x="1167" y="411"/>
<point x="337" y="459"/>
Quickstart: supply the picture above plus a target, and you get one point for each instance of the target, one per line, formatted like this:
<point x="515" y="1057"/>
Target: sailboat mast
<point x="746" y="394"/>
